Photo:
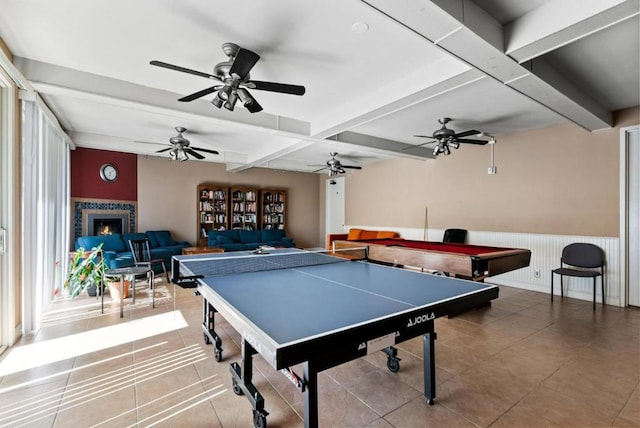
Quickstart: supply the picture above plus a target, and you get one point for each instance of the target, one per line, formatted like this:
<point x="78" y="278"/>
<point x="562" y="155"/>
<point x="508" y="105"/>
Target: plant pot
<point x="114" y="289"/>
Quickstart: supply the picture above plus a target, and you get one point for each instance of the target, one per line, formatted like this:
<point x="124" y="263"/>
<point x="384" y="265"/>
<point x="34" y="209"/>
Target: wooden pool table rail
<point x="475" y="267"/>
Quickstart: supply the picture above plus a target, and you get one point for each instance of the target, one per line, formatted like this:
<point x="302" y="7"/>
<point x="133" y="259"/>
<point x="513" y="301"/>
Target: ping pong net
<point x="188" y="269"/>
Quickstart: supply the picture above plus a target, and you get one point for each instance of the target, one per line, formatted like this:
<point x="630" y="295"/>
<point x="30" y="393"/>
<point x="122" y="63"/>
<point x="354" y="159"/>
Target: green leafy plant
<point x="86" y="270"/>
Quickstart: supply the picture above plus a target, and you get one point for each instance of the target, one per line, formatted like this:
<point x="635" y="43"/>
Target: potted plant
<point x="85" y="272"/>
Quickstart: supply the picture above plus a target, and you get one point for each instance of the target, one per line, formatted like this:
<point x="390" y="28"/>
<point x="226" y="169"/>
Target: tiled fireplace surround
<point x="82" y="208"/>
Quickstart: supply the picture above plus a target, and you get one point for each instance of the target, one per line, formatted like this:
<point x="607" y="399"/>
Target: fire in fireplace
<point x="107" y="224"/>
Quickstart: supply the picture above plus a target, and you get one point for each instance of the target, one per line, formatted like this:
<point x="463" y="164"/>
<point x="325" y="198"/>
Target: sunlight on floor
<point x="41" y="353"/>
<point x="66" y="398"/>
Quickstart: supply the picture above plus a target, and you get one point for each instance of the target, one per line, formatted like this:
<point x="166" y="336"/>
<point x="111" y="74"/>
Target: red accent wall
<point x="85" y="175"/>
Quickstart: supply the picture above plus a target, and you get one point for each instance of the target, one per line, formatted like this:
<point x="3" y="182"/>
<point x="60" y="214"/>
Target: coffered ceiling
<point x="376" y="72"/>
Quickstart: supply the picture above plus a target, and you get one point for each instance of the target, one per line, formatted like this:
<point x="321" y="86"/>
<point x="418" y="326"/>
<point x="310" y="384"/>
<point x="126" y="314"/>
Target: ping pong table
<point x="312" y="308"/>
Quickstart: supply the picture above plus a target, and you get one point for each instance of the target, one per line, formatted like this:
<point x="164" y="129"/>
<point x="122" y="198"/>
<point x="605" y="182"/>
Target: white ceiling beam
<point x="560" y="22"/>
<point x="466" y="31"/>
<point x="49" y="78"/>
<point x="269" y="153"/>
<point x="384" y="146"/>
<point x="439" y="89"/>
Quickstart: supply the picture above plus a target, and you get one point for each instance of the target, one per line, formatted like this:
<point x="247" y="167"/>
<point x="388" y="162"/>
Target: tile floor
<point x="523" y="362"/>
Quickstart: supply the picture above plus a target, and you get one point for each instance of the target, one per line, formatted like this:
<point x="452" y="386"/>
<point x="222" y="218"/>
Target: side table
<point x="131" y="271"/>
<point x="201" y="250"/>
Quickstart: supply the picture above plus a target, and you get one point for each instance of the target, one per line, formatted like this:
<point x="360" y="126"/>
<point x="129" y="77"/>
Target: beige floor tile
<point x="630" y="414"/>
<point x="380" y="389"/>
<point x="417" y="413"/>
<point x="561" y="409"/>
<point x="31" y="405"/>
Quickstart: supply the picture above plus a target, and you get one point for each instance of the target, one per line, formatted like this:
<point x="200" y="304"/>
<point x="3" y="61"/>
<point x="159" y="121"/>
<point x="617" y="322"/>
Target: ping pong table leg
<point x="208" y="325"/>
<point x="310" y="374"/>
<point x="242" y="384"/>
<point x="429" y="355"/>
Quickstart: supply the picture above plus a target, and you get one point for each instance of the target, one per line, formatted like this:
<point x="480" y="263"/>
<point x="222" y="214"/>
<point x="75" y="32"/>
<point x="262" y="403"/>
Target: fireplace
<point x="106" y="224"/>
<point x="92" y="216"/>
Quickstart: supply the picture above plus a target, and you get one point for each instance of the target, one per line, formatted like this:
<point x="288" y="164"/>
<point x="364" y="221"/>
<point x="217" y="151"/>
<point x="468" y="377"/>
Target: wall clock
<point x="108" y="172"/>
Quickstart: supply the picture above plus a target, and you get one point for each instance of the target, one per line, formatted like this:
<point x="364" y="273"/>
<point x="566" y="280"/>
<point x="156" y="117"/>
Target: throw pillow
<point x="164" y="238"/>
<point x="369" y="234"/>
<point x="384" y="234"/>
<point x="354" y="234"/>
<point x="221" y="239"/>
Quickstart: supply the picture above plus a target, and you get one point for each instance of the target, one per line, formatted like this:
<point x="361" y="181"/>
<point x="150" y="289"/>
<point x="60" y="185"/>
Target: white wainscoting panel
<point x="545" y="256"/>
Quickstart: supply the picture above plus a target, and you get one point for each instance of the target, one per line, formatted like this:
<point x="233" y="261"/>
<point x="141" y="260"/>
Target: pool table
<point x="474" y="262"/>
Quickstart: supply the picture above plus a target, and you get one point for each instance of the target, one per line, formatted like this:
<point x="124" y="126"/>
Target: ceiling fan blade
<point x="276" y="87"/>
<point x="183" y="69"/>
<point x="479" y="142"/>
<point x="205" y="150"/>
<point x="194" y="154"/>
<point x="244" y="62"/>
<point x="467" y="133"/>
<point x="318" y="170"/>
<point x="350" y="167"/>
<point x="424" y="136"/>
<point x="163" y="150"/>
<point x="199" y="94"/>
<point x="252" y="104"/>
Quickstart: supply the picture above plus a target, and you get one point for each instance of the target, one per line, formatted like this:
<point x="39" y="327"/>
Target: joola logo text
<point x="421" y="319"/>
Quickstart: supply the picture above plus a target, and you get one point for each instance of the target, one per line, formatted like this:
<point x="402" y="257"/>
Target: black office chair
<point x="142" y="255"/>
<point x="581" y="260"/>
<point x="456" y="236"/>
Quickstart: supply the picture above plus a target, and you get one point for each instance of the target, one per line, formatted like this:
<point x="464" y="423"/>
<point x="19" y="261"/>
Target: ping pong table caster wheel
<point x="236" y="388"/>
<point x="430" y="401"/>
<point x="206" y="339"/>
<point x="259" y="419"/>
<point x="218" y="355"/>
<point x="393" y="364"/>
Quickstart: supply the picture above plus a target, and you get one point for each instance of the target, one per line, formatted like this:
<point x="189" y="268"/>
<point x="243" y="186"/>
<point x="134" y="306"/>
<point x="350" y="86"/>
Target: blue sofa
<point x="117" y="253"/>
<point x="238" y="240"/>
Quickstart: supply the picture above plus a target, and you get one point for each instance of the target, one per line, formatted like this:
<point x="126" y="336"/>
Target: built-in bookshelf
<point x="244" y="208"/>
<point x="213" y="210"/>
<point x="272" y="208"/>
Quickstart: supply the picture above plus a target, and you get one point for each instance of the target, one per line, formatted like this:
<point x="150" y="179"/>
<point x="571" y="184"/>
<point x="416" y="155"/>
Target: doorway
<point x="335" y="206"/>
<point x="630" y="212"/>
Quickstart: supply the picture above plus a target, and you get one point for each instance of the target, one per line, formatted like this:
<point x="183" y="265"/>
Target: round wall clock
<point x="108" y="172"/>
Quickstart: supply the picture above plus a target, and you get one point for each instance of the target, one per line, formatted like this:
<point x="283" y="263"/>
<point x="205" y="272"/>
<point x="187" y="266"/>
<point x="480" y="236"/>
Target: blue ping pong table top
<point x="296" y="304"/>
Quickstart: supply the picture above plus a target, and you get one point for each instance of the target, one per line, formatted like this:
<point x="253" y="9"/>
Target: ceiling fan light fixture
<point x="245" y="99"/>
<point x="224" y="92"/>
<point x="181" y="155"/>
<point x="217" y="101"/>
<point x="231" y="101"/>
<point x="446" y="150"/>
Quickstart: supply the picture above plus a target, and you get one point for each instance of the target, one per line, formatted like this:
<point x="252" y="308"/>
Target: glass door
<point x="8" y="301"/>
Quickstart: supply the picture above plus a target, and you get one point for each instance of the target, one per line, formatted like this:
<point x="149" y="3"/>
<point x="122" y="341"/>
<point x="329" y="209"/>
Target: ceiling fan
<point x="235" y="80"/>
<point x="179" y="147"/>
<point x="445" y="138"/>
<point x="334" y="166"/>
